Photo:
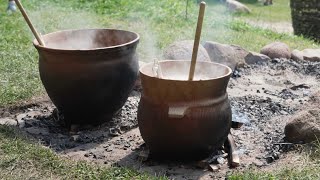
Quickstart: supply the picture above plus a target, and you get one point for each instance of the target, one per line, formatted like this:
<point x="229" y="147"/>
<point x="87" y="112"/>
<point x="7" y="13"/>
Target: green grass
<point x="158" y="22"/>
<point x="278" y="12"/>
<point x="22" y="159"/>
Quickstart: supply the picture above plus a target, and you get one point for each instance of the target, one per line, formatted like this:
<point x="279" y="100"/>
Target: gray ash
<point x="258" y="108"/>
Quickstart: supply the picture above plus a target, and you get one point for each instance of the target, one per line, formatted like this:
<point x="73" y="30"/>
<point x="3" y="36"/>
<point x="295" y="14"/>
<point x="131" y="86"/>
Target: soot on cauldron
<point x="88" y="73"/>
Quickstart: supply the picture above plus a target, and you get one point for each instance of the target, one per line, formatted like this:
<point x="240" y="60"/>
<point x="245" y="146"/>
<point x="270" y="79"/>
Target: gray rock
<point x="256" y="58"/>
<point x="21" y="123"/>
<point x="237" y="7"/>
<point x="37" y="131"/>
<point x="297" y="55"/>
<point x="311" y="55"/>
<point x="304" y="127"/>
<point x="230" y="55"/>
<point x="182" y="50"/>
<point x="8" y="121"/>
<point x="21" y="117"/>
<point x="276" y="50"/>
<point x="28" y="115"/>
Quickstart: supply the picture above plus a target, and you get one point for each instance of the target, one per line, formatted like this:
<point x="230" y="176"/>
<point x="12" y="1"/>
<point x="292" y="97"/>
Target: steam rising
<point x="50" y="17"/>
<point x="88" y="39"/>
<point x="75" y="41"/>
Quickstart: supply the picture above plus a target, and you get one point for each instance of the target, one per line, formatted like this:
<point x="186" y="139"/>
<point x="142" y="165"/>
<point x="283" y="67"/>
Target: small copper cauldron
<point x="88" y="73"/>
<point x="180" y="118"/>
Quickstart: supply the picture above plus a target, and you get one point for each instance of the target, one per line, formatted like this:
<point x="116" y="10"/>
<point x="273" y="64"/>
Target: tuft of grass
<point x="22" y="159"/>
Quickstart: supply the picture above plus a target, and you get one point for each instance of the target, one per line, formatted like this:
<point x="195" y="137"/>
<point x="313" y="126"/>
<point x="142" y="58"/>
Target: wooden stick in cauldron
<point x="34" y="31"/>
<point x="197" y="40"/>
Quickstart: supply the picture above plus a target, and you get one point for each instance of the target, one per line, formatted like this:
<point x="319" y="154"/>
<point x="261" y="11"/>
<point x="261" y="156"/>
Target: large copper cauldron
<point x="179" y="118"/>
<point x="89" y="73"/>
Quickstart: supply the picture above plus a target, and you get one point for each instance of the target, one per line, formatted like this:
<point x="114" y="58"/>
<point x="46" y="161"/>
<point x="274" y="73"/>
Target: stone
<point x="21" y="117"/>
<point x="37" y="131"/>
<point x="256" y="58"/>
<point x="304" y="127"/>
<point x="28" y="115"/>
<point x="182" y="50"/>
<point x="8" y="121"/>
<point x="21" y="123"/>
<point x="214" y="168"/>
<point x="276" y="50"/>
<point x="221" y="160"/>
<point x="230" y="55"/>
<point x="74" y="137"/>
<point x="237" y="7"/>
<point x="311" y="55"/>
<point x="297" y="55"/>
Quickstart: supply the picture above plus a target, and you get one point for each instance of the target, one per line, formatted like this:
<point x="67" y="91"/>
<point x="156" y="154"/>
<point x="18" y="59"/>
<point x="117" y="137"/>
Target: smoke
<point x="74" y="40"/>
<point x="216" y="23"/>
<point x="147" y="49"/>
<point x="48" y="18"/>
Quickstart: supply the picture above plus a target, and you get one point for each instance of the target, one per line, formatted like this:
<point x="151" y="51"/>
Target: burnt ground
<point x="263" y="96"/>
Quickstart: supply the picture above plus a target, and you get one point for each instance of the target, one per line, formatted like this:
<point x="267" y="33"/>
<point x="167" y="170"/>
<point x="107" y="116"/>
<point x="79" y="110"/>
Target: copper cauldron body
<point x="179" y="118"/>
<point x="88" y="73"/>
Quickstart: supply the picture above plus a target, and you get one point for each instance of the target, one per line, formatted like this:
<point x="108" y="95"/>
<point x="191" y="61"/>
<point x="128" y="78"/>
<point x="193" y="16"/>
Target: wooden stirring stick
<point x="34" y="31"/>
<point x="197" y="41"/>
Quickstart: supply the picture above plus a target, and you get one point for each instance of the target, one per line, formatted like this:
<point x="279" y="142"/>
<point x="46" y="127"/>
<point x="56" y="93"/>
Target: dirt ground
<point x="264" y="96"/>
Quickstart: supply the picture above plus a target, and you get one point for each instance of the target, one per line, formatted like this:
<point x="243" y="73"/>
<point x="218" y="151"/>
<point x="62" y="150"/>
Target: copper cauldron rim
<point x="206" y="80"/>
<point x="36" y="44"/>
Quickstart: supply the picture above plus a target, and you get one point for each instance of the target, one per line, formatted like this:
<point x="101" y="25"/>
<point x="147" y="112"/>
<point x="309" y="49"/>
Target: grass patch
<point x="22" y="159"/>
<point x="278" y="12"/>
